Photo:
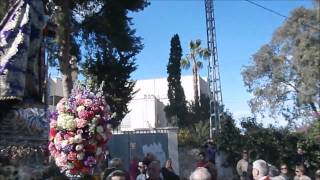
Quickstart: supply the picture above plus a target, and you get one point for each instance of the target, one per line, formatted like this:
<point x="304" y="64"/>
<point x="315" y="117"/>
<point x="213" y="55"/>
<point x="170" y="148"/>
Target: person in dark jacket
<point x="168" y="172"/>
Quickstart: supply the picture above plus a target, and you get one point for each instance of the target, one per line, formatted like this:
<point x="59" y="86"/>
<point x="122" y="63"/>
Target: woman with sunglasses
<point x="284" y="172"/>
<point x="300" y="170"/>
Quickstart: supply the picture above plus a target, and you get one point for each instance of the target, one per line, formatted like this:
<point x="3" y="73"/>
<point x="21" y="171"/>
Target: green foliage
<point x="118" y="88"/>
<point x="200" y="113"/>
<point x="197" y="127"/>
<point x="111" y="46"/>
<point x="275" y="145"/>
<point x="177" y="109"/>
<point x="229" y="140"/>
<point x="194" y="135"/>
<point x="284" y="74"/>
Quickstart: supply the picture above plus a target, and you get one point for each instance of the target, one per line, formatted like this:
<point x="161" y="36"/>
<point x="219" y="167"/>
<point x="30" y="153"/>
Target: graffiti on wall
<point x="157" y="150"/>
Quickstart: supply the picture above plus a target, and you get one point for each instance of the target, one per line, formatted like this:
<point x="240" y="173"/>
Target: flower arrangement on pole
<point x="79" y="131"/>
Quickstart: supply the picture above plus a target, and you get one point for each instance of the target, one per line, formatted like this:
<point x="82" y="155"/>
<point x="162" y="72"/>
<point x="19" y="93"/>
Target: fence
<point x="161" y="142"/>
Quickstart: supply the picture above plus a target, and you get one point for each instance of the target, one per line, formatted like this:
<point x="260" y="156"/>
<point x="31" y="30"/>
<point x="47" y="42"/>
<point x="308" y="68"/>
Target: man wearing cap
<point x="260" y="170"/>
<point x="243" y="166"/>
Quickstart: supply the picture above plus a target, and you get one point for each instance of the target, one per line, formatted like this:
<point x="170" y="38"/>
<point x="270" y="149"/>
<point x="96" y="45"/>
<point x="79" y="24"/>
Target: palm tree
<point x="197" y="53"/>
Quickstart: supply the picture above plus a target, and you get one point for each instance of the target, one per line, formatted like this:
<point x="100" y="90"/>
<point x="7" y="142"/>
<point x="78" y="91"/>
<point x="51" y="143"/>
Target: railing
<point x="146" y="131"/>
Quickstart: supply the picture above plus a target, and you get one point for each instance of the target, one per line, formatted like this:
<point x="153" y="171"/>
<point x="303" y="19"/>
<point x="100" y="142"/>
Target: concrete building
<point x="147" y="106"/>
<point x="55" y="92"/>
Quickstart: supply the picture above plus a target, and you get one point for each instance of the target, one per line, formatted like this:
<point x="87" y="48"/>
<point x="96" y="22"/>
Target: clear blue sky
<point x="241" y="29"/>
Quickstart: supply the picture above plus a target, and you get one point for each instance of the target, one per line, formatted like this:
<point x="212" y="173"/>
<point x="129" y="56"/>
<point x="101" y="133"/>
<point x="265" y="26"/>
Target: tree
<point x="83" y="21"/>
<point x="284" y="76"/>
<point x="110" y="49"/>
<point x="177" y="109"/>
<point x="194" y="58"/>
<point x="229" y="140"/>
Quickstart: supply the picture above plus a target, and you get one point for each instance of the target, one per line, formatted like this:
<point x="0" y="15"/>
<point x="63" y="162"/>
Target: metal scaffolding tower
<point x="213" y="71"/>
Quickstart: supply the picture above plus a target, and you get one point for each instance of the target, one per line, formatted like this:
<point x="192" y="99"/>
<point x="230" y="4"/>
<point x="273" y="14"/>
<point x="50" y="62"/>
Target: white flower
<point x="80" y="108"/>
<point x="66" y="121"/>
<point x="94" y="120"/>
<point x="79" y="147"/>
<point x="77" y="138"/>
<point x="80" y="156"/>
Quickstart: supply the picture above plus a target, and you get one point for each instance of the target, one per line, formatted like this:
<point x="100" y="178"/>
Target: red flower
<point x="90" y="148"/>
<point x="95" y="109"/>
<point x="77" y="164"/>
<point x="73" y="171"/>
<point x="72" y="156"/>
<point x="52" y="133"/>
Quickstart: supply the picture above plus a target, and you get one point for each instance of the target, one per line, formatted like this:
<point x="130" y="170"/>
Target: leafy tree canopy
<point x="284" y="76"/>
<point x="110" y="48"/>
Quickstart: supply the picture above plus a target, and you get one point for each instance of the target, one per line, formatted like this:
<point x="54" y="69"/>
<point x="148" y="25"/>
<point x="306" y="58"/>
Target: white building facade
<point x="147" y="106"/>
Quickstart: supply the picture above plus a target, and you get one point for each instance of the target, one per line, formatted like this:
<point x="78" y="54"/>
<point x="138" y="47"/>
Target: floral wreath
<point x="79" y="131"/>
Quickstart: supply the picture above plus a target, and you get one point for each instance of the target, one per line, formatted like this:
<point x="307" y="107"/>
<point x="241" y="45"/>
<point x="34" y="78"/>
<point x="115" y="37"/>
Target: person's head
<point x="300" y="150"/>
<point x="317" y="175"/>
<point x="151" y="157"/>
<point x="202" y="156"/>
<point x="259" y="169"/>
<point x="154" y="170"/>
<point x="200" y="173"/>
<point x="116" y="163"/>
<point x="284" y="169"/>
<point x="273" y="171"/>
<point x="168" y="163"/>
<point x="300" y="170"/>
<point x="142" y="167"/>
<point x="117" y="175"/>
<point x="245" y="154"/>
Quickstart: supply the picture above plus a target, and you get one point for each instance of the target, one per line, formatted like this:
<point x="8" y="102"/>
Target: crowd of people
<point x="261" y="170"/>
<point x="148" y="168"/>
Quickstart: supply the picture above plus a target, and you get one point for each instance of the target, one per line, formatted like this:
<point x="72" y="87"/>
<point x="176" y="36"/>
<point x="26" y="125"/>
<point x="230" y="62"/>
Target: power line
<point x="268" y="9"/>
<point x="279" y="14"/>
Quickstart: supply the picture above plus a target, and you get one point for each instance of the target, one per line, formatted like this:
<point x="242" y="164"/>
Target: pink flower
<point x="53" y="123"/>
<point x="81" y="123"/>
<point x="96" y="109"/>
<point x="58" y="146"/>
<point x="103" y="109"/>
<point x="87" y="115"/>
<point x="72" y="156"/>
<point x="80" y="102"/>
<point x="52" y="147"/>
<point x="78" y="96"/>
<point x="66" y="136"/>
<point x="61" y="160"/>
<point x="58" y="137"/>
<point x="61" y="105"/>
<point x="88" y="102"/>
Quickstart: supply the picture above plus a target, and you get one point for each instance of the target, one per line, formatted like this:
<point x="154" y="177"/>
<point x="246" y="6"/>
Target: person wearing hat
<point x="260" y="170"/>
<point x="243" y="166"/>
